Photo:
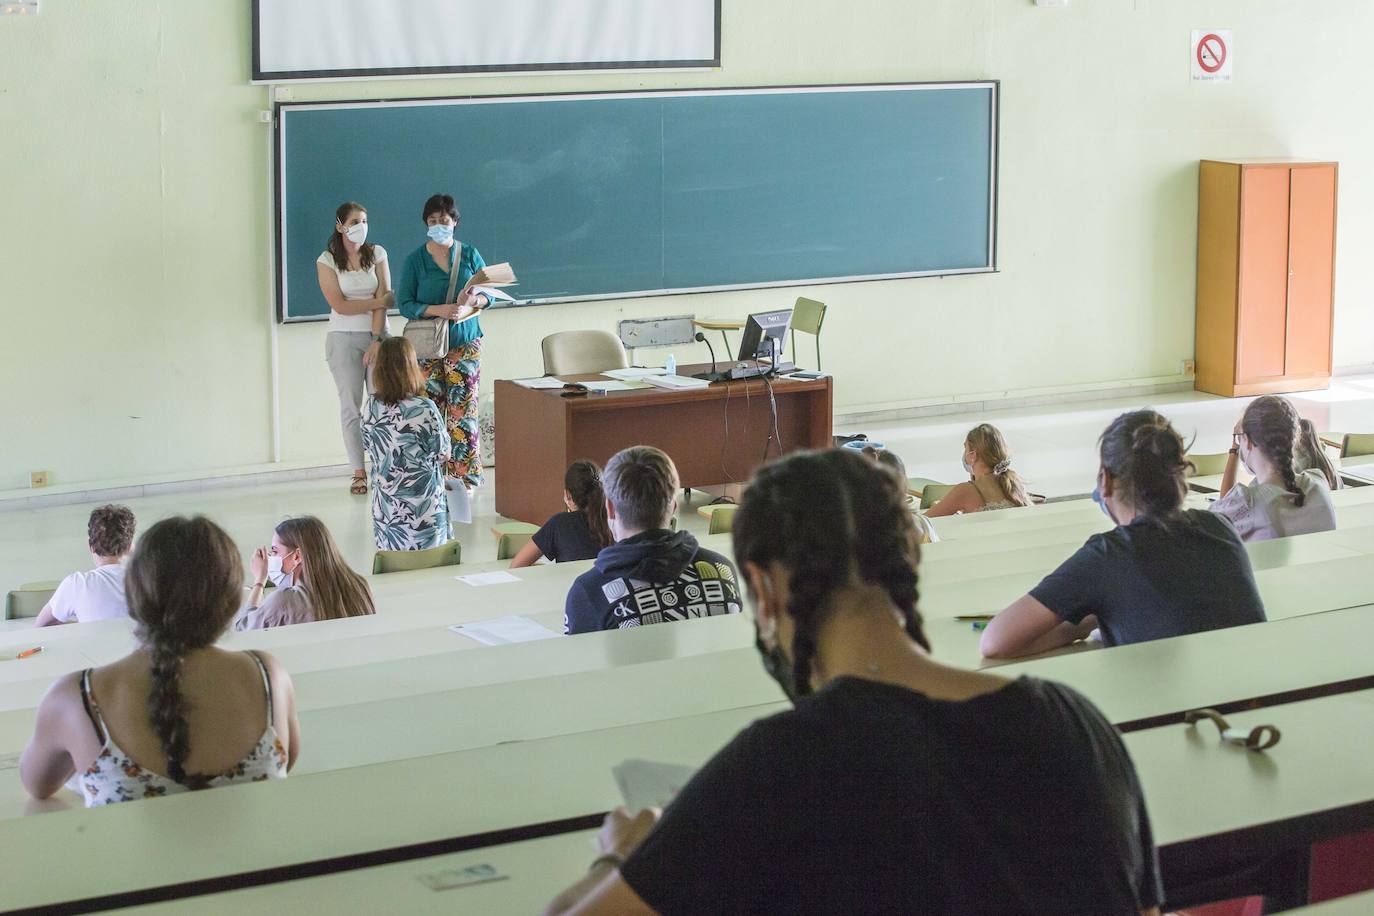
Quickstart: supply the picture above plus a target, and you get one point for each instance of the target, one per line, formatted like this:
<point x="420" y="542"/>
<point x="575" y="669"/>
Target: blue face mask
<point x="1102" y="503"/>
<point x="441" y="233"/>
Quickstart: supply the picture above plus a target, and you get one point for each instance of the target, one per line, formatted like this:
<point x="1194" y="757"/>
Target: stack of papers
<point x="501" y="631"/>
<point x="676" y="382"/>
<point x="546" y="381"/>
<point x="499" y="577"/>
<point x="635" y="372"/>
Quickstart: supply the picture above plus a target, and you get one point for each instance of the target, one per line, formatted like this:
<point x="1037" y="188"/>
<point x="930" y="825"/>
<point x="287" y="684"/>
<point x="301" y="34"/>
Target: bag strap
<point x="453" y="271"/>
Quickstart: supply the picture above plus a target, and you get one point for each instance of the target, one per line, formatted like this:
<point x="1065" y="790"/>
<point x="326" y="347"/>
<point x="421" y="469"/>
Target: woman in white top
<point x="356" y="281"/>
<point x="1281" y="501"/>
<point x="98" y="594"/>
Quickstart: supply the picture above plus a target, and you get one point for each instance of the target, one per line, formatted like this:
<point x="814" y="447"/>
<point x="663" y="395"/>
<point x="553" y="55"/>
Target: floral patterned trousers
<point x="451" y="383"/>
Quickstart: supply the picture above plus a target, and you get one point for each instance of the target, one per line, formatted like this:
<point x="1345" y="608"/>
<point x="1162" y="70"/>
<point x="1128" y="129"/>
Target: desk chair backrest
<point x="511" y="543"/>
<point x="1355" y="444"/>
<point x="932" y="493"/>
<point x="583" y="352"/>
<point x="28" y="599"/>
<point x="1207" y="465"/>
<point x="722" y="520"/>
<point x="390" y="561"/>
<point x="807" y="316"/>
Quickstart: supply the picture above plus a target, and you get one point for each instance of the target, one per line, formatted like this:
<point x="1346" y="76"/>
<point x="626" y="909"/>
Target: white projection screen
<point x="381" y="39"/>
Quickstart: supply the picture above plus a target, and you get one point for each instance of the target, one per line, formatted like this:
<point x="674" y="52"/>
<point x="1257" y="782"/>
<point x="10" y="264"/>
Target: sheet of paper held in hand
<point x="502" y="631"/>
<point x="647" y="784"/>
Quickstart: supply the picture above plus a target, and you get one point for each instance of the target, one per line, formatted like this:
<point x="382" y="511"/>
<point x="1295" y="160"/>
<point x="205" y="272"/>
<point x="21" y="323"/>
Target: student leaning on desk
<point x="1162" y="571"/>
<point x="896" y="784"/>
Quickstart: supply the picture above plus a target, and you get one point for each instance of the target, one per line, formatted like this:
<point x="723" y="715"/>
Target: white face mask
<point x="441" y="233"/>
<point x="357" y="233"/>
<point x="968" y="468"/>
<point x="274" y="572"/>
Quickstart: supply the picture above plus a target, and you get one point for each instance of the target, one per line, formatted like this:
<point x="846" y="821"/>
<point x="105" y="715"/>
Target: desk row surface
<point x="1196" y="787"/>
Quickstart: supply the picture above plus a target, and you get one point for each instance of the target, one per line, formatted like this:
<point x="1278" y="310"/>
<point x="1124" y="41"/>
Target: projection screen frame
<point x="277" y="177"/>
<point x="259" y="77"/>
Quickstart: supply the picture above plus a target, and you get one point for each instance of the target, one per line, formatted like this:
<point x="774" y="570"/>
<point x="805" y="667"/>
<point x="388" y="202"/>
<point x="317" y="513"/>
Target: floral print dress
<point x="114" y="777"/>
<point x="408" y="443"/>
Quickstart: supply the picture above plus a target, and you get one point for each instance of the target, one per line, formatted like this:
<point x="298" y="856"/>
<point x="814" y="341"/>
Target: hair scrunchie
<point x="1002" y="467"/>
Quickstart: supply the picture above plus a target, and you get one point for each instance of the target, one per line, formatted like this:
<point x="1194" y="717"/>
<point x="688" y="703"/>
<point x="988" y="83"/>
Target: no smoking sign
<point x="1212" y="56"/>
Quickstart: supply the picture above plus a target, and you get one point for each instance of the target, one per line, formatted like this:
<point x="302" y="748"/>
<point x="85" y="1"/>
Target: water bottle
<point x="671" y="365"/>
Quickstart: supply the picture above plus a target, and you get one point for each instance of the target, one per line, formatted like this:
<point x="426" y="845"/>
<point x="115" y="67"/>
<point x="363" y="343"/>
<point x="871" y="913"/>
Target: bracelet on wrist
<point x="613" y="859"/>
<point x="1234" y="451"/>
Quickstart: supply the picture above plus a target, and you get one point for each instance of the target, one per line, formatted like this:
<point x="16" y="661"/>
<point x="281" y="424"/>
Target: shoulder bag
<point x="429" y="336"/>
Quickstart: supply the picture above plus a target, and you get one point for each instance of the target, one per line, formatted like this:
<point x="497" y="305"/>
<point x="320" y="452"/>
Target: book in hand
<point x="486" y="281"/>
<point x="492" y="275"/>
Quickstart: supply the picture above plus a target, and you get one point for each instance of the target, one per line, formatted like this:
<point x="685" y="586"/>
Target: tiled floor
<point x="1054" y="449"/>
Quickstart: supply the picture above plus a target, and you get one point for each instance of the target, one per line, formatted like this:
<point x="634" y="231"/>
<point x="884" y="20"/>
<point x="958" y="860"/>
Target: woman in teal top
<point x="450" y="382"/>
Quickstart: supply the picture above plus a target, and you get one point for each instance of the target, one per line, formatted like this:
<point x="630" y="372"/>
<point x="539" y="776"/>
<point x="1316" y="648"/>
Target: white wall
<point x="134" y="211"/>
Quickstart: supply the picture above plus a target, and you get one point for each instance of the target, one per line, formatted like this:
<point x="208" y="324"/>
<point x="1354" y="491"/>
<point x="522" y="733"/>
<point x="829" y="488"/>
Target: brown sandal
<point x="359" y="485"/>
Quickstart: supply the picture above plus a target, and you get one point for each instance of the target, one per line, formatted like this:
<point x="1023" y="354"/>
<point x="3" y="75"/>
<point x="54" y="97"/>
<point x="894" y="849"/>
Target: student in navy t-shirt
<point x="579" y="533"/>
<point x="651" y="574"/>
<point x="1162" y="571"/>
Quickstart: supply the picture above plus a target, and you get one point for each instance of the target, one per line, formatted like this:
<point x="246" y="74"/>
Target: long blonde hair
<point x="985" y="441"/>
<point x="335" y="589"/>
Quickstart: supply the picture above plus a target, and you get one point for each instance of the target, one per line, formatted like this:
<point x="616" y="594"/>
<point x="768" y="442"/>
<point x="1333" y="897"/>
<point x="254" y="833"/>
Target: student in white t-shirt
<point x="98" y="594"/>
<point x="1281" y="501"/>
<point x="356" y="281"/>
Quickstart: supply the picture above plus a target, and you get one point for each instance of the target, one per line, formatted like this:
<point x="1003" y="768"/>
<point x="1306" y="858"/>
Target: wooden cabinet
<point x="1266" y="254"/>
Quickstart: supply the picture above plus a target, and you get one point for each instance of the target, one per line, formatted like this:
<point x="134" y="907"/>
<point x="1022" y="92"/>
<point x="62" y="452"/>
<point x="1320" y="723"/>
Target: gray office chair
<point x="583" y="353"/>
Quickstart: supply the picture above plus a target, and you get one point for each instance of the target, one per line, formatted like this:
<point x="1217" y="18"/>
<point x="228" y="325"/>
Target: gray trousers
<point x="343" y="350"/>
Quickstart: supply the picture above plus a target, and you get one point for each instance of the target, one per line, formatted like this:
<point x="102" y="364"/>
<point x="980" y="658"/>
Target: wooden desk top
<point x="634" y="397"/>
<point x="719" y="324"/>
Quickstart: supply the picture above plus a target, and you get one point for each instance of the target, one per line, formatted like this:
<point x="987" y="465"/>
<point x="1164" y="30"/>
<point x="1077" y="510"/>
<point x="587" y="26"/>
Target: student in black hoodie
<point x="651" y="574"/>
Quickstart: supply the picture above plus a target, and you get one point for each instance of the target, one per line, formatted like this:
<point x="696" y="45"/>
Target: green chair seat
<point x="29" y="599"/>
<point x="390" y="561"/>
<point x="1355" y="444"/>
<point x="932" y="493"/>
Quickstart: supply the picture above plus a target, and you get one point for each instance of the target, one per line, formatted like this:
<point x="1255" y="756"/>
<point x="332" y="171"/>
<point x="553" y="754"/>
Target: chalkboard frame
<point x="282" y="109"/>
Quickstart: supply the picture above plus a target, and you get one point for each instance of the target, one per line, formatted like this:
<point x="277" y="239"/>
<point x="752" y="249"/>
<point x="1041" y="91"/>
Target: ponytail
<point x="583" y="483"/>
<point x="1309" y="455"/>
<point x="184" y="585"/>
<point x="1271" y="425"/>
<point x="166" y="712"/>
<point x="1147" y="460"/>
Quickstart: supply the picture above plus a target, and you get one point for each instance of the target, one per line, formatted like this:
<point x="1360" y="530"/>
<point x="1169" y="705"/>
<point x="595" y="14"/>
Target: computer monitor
<point x="765" y="333"/>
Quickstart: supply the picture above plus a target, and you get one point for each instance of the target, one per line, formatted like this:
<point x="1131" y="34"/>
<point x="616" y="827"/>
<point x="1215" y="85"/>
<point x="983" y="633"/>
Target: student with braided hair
<point x="1281" y="501"/>
<point x="992" y="483"/>
<point x="1162" y="571"/>
<point x="178" y="713"/>
<point x="896" y="784"/>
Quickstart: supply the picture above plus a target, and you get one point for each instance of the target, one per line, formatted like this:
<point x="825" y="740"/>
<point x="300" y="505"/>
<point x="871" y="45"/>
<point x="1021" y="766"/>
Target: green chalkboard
<point x="615" y="194"/>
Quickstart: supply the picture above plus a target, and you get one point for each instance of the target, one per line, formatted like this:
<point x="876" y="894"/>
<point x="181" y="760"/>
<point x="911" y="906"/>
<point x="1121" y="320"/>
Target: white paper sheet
<point x="501" y="631"/>
<point x="544" y="381"/>
<point x="635" y="372"/>
<point x="677" y="382"/>
<point x="611" y="385"/>
<point x="499" y="577"/>
<point x="647" y="784"/>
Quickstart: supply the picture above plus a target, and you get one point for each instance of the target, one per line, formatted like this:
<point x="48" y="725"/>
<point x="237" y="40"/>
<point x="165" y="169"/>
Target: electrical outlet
<point x="38" y="479"/>
<point x="1189" y="367"/>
